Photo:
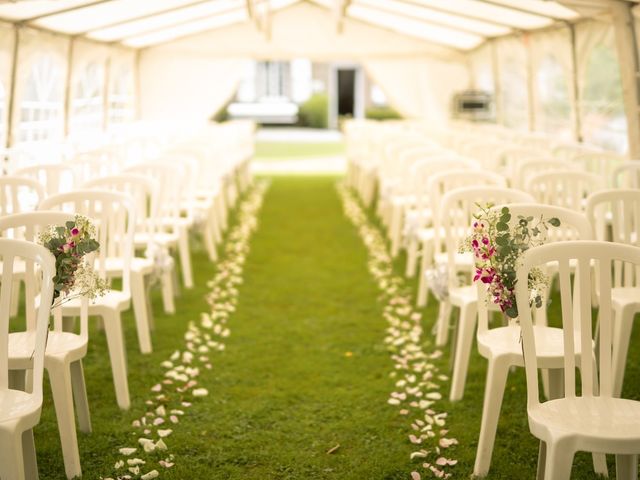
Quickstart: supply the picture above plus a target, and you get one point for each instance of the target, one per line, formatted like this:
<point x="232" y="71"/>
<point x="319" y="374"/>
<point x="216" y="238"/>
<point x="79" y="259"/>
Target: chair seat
<point x="625" y="296"/>
<point x="114" y="266"/>
<point x="141" y="240"/>
<point x="506" y="341"/>
<point x="112" y="300"/>
<point x="58" y="343"/>
<point x="464" y="261"/>
<point x="592" y="419"/>
<point x="403" y="200"/>
<point x="16" y="405"/>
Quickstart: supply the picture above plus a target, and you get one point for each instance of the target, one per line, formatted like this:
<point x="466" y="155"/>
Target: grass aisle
<point x="305" y="368"/>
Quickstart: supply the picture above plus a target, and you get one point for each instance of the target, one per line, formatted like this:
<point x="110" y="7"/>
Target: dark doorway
<point x="346" y="92"/>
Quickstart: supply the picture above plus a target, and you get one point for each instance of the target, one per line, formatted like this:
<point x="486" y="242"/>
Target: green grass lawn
<point x="286" y="390"/>
<point x="274" y="151"/>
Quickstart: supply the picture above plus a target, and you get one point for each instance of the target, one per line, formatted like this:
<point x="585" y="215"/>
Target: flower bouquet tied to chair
<point x="75" y="276"/>
<point x="497" y="243"/>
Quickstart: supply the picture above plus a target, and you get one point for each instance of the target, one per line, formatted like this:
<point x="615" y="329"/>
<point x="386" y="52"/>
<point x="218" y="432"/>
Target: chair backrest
<point x="626" y="175"/>
<point x="89" y="165"/>
<point x="445" y="181"/>
<point x="19" y="194"/>
<point x="113" y="215"/>
<point x="171" y="180"/>
<point x="143" y="190"/>
<point x="615" y="216"/>
<point x="568" y="151"/>
<point x="564" y="188"/>
<point x="55" y="177"/>
<point x="28" y="226"/>
<point x="573" y="226"/>
<point x="458" y="209"/>
<point x="524" y="169"/>
<point x="576" y="311"/>
<point x="600" y="163"/>
<point x="40" y="269"/>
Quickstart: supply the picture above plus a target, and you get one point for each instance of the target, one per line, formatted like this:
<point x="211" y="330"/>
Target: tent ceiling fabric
<point x="457" y="24"/>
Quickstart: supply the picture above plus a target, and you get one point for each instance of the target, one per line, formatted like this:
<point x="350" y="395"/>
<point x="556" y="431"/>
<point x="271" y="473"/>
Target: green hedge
<point x="314" y="112"/>
<point x="382" y="113"/>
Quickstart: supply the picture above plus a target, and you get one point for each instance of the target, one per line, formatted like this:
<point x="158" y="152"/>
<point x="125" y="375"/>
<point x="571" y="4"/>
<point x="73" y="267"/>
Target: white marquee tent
<point x="69" y="66"/>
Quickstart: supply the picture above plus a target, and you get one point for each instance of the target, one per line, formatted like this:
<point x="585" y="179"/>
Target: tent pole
<point x="105" y="93"/>
<point x="531" y="101"/>
<point x="12" y="87"/>
<point x="67" y="87"/>
<point x="138" y="85"/>
<point x="624" y="25"/>
<point x="497" y="87"/>
<point x="575" y="86"/>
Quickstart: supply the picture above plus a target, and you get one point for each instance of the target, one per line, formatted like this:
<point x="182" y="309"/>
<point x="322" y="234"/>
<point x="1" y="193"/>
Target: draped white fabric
<point x="418" y="88"/>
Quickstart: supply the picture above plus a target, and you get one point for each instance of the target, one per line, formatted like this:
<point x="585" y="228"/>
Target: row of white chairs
<point x="143" y="205"/>
<point x="432" y="193"/>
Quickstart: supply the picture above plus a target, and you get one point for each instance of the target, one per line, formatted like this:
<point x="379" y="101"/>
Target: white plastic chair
<point x="172" y="229"/>
<point x="456" y="217"/>
<point x="64" y="351"/>
<point x="431" y="239"/>
<point x="627" y="175"/>
<point x="113" y="215"/>
<point x="615" y="216"/>
<point x="55" y="177"/>
<point x="523" y="170"/>
<point x="20" y="410"/>
<point x="590" y="419"/>
<point x="144" y="191"/>
<point x="501" y="345"/>
<point x="19" y="194"/>
<point x="602" y="164"/>
<point x="564" y="188"/>
<point x="412" y="210"/>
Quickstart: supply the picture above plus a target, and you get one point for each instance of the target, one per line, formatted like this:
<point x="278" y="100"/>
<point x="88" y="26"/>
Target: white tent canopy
<point x="182" y="59"/>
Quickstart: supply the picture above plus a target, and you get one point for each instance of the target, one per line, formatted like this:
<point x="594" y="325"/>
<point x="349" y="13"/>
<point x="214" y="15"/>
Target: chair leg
<point x="60" y="378"/>
<point x="140" y="311"/>
<point x="15" y="298"/>
<point x="626" y="467"/>
<point x="30" y="460"/>
<point x="423" y="288"/>
<point x="11" y="456"/>
<point x="213" y="221"/>
<point x="80" y="396"/>
<point x="115" y="342"/>
<point x="542" y="460"/>
<point x="412" y="258"/>
<point x="185" y="257"/>
<point x="497" y="373"/>
<point x="559" y="460"/>
<point x="464" y="343"/>
<point x="621" y="336"/>
<point x="442" y="324"/>
<point x="395" y="229"/>
<point x="207" y="235"/>
<point x="167" y="292"/>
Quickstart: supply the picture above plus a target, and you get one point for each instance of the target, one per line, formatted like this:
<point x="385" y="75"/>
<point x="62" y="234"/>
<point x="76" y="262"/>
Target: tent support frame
<point x="12" y="87"/>
<point x="626" y="43"/>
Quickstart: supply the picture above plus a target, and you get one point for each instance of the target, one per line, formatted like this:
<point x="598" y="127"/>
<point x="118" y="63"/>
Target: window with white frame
<point x="121" y="96"/>
<point x="273" y="80"/>
<point x="513" y="84"/>
<point x="87" y="103"/>
<point x="42" y="104"/>
<point x="602" y="107"/>
<point x="553" y="99"/>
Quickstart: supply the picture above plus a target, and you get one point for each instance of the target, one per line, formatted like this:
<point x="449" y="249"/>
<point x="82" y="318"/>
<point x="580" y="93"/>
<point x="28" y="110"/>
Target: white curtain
<point x="34" y="45"/>
<point x="419" y="88"/>
<point x="6" y="60"/>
